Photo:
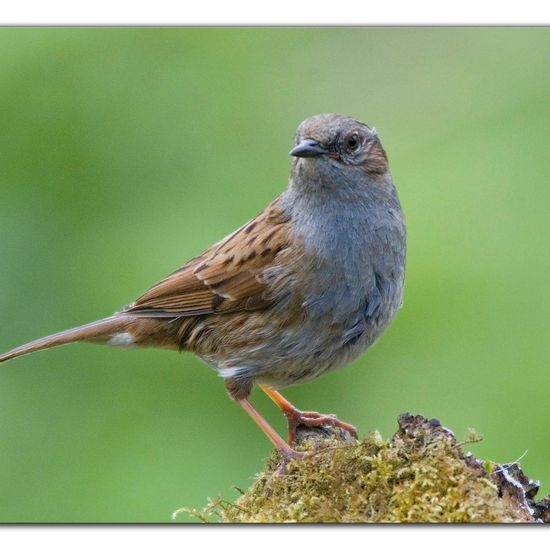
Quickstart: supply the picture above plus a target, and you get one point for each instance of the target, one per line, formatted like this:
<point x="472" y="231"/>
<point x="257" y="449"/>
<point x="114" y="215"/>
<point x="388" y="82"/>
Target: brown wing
<point x="225" y="278"/>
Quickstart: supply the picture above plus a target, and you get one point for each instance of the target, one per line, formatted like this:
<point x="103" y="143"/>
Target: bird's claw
<point x="312" y="419"/>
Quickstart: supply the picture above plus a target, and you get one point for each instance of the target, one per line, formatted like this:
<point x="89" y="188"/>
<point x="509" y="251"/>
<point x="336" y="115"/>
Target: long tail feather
<point x="98" y="331"/>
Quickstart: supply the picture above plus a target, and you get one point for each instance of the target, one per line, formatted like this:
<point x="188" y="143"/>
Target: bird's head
<point x="332" y="143"/>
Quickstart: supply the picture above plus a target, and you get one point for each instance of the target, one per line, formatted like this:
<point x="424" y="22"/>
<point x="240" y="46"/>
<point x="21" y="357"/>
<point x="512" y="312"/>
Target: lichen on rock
<point x="420" y="475"/>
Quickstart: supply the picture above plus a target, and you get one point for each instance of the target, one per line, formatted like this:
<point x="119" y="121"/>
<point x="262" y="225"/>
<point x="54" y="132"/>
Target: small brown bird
<point x="303" y="288"/>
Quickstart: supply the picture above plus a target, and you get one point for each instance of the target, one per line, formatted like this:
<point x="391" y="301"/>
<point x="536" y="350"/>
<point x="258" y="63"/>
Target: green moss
<point x="419" y="475"/>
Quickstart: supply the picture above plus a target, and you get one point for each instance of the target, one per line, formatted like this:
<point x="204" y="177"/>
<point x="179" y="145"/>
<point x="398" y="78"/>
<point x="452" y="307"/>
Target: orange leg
<point x="284" y="448"/>
<point x="296" y="417"/>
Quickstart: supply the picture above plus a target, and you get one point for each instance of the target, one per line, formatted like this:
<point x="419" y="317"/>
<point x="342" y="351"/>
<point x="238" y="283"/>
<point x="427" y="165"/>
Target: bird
<point x="303" y="288"/>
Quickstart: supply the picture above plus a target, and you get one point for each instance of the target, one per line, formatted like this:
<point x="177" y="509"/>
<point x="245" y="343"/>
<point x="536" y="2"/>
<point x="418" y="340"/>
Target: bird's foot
<point x="313" y="419"/>
<point x="288" y="453"/>
<point x="297" y="421"/>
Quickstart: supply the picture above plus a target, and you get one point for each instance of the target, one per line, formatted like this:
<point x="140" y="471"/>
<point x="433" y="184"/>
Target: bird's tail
<point x="99" y="331"/>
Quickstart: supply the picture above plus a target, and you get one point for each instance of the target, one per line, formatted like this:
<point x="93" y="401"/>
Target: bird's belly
<point x="324" y="338"/>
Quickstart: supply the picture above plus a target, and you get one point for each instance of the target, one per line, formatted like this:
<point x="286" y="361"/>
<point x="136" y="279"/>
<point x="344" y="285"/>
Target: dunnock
<point x="303" y="288"/>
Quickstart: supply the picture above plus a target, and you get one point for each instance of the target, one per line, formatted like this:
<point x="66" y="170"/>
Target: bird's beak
<point x="308" y="148"/>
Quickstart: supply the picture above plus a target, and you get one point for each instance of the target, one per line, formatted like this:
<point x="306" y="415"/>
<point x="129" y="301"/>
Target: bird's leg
<point x="296" y="417"/>
<point x="284" y="448"/>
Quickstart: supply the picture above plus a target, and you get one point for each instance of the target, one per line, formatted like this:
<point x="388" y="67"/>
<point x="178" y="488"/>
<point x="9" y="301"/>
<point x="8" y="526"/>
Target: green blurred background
<point x="124" y="152"/>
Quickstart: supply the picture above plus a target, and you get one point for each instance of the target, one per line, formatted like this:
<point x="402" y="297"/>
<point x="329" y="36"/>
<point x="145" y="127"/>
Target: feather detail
<point x="98" y="331"/>
<point x="225" y="278"/>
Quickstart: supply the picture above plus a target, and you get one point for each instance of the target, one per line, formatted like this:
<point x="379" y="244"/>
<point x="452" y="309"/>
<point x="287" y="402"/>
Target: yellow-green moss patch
<point x="419" y="475"/>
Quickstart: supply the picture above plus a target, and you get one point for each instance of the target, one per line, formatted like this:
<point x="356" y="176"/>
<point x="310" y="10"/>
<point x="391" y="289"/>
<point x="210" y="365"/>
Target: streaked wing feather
<point x="225" y="278"/>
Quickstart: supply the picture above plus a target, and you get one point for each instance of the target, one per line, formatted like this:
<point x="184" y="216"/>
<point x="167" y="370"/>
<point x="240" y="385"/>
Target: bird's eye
<point x="352" y="142"/>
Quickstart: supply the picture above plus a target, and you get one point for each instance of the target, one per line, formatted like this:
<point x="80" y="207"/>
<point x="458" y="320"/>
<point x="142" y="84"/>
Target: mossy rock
<point x="420" y="475"/>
